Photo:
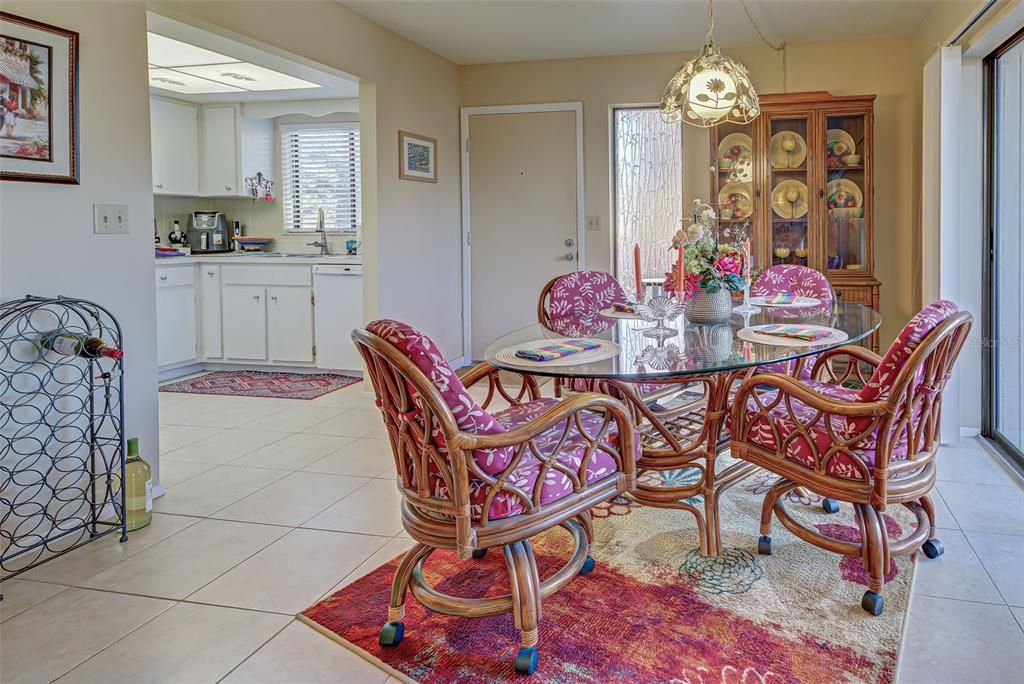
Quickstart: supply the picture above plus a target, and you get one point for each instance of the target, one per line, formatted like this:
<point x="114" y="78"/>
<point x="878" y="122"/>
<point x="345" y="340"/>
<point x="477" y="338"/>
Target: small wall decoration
<point x="38" y="101"/>
<point x="417" y="157"/>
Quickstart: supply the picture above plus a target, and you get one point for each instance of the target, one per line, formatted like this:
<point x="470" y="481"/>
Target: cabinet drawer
<point x="174" y="275"/>
<point x="857" y="295"/>
<point x="267" y="275"/>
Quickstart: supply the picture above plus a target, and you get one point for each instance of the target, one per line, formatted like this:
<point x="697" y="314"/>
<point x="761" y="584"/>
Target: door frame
<point x="581" y="219"/>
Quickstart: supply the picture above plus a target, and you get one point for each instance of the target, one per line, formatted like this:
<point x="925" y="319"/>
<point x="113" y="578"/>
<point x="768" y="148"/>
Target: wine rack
<point x="61" y="433"/>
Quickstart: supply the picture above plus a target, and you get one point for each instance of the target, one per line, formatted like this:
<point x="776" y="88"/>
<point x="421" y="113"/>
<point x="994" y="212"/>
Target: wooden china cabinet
<point x="802" y="175"/>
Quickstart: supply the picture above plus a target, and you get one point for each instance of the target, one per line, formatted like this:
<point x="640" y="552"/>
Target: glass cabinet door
<point x="846" y="193"/>
<point x="788" y="188"/>
<point x="734" y="168"/>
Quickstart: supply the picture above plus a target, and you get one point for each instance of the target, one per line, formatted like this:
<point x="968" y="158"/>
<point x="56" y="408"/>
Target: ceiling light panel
<point x="169" y="79"/>
<point x="167" y="52"/>
<point x="248" y="76"/>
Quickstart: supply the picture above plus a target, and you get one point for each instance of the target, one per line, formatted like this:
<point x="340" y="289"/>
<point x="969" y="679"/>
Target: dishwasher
<point x="338" y="290"/>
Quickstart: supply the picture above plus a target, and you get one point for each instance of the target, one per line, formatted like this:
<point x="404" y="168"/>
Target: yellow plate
<point x="731" y="150"/>
<point x="789" y="199"/>
<point x="781" y="159"/>
<point x="839" y="144"/>
<point x="736" y="196"/>
<point x="838" y="191"/>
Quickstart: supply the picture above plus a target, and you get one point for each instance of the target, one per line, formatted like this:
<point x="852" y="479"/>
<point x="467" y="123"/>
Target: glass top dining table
<point x="678" y="391"/>
<point x="695" y="349"/>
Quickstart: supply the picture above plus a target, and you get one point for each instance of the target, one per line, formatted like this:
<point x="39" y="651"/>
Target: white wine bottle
<point x="74" y="344"/>
<point x="138" y="488"/>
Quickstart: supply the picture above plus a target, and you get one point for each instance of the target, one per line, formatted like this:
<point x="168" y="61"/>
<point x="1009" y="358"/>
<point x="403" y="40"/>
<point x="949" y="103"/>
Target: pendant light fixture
<point x="710" y="89"/>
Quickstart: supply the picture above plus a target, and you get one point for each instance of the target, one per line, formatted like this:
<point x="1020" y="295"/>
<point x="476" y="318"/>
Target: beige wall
<point x="887" y="68"/>
<point x="411" y="231"/>
<point x="48" y="244"/>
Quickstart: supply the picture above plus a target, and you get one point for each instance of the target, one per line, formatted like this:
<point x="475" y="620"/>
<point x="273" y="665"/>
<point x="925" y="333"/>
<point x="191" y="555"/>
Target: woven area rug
<point x="653" y="610"/>
<point x="262" y="384"/>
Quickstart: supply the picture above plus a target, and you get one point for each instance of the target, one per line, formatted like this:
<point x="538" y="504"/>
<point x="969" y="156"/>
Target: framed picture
<point x="38" y="101"/>
<point x="417" y="157"/>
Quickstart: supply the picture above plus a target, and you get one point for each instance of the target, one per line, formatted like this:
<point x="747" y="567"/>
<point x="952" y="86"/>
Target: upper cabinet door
<point x="847" y="202"/>
<point x="734" y="188"/>
<point x="175" y="146"/>
<point x="220" y="151"/>
<point x="789" y="141"/>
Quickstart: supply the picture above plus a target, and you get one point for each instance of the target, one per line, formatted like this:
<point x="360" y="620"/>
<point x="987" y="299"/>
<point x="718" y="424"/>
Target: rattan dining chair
<point x="872" y="447"/>
<point x="473" y="480"/>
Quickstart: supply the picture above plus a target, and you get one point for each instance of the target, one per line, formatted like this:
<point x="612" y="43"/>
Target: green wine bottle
<point x="74" y="344"/>
<point x="138" y="488"/>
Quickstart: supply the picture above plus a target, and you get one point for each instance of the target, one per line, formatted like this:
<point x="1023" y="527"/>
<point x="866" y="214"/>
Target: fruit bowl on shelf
<point x="252" y="243"/>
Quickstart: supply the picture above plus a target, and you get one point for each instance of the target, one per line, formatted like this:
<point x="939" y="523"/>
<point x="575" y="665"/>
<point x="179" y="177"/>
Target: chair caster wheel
<point x="873" y="603"/>
<point x="764" y="545"/>
<point x="479" y="553"/>
<point x="830" y="505"/>
<point x="588" y="566"/>
<point x="391" y="633"/>
<point x="526" y="660"/>
<point x="933" y="548"/>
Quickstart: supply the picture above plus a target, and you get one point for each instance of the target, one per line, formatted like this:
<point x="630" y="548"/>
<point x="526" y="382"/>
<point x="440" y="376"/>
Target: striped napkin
<point x="781" y="298"/>
<point x="619" y="307"/>
<point x="557" y="350"/>
<point x="798" y="332"/>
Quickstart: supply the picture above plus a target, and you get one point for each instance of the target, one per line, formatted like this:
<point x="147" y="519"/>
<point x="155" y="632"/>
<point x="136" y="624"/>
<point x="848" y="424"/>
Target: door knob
<point x="570" y="242"/>
<point x="569" y="256"/>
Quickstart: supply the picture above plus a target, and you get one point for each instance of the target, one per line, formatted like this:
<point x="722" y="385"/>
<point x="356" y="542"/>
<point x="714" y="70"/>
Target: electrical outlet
<point x="110" y="219"/>
<point x="594" y="223"/>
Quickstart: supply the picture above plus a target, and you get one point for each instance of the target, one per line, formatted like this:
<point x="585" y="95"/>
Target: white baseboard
<point x="969" y="431"/>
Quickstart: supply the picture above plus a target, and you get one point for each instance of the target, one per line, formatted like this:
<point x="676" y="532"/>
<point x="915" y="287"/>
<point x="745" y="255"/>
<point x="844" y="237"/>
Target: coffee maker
<point x="208" y="232"/>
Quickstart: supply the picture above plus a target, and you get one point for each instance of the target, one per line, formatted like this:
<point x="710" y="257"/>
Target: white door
<point x="176" y="324"/>
<point x="523" y="217"/>
<point x="174" y="139"/>
<point x="220" y="150"/>
<point x="209" y="306"/>
<point x="290" y="324"/>
<point x="245" y="322"/>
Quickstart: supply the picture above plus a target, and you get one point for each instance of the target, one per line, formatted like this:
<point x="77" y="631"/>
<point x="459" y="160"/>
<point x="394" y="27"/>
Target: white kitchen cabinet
<point x="245" y="322"/>
<point x="176" y="321"/>
<point x="174" y="138"/>
<point x="210" y="311"/>
<point x="290" y="324"/>
<point x="220" y="151"/>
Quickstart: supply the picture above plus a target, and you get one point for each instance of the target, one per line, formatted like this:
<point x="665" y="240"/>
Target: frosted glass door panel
<point x="648" y="179"/>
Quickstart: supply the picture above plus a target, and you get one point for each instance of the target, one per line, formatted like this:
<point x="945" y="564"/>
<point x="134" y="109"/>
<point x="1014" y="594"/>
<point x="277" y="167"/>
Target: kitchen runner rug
<point x="653" y="609"/>
<point x="262" y="384"/>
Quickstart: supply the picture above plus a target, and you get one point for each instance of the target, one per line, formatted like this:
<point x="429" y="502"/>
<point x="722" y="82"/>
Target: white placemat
<point x="612" y="313"/>
<point x="604" y="350"/>
<point x="800" y="301"/>
<point x="751" y="335"/>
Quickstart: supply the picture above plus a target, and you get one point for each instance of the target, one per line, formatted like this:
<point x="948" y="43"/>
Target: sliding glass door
<point x="648" y="180"/>
<point x="1005" y="310"/>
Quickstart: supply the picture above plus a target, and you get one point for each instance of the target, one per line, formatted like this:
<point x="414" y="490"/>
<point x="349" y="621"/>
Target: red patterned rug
<point x="263" y="384"/>
<point x="653" y="610"/>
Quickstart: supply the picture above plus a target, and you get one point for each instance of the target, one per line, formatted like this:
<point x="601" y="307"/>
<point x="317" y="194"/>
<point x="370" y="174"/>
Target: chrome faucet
<point x="325" y="248"/>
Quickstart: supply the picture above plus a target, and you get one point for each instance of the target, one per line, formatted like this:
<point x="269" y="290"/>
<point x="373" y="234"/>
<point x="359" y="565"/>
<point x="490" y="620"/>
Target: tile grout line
<point x="987" y="573"/>
<point x="257" y="650"/>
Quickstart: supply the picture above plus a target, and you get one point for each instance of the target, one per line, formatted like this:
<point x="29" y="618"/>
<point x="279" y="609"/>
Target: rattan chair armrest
<point x="529" y="390"/>
<point x="792" y="387"/>
<point x="850" y="351"/>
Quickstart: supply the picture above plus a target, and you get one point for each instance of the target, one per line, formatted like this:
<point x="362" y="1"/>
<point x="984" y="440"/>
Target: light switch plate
<point x="594" y="223"/>
<point x="110" y="219"/>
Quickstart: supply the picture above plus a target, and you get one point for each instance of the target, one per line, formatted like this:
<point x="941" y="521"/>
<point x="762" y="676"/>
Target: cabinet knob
<point x="209" y="273"/>
<point x="227" y="187"/>
<point x="821" y="193"/>
<point x="163" y="277"/>
<point x="158" y="186"/>
<point x="273" y="298"/>
<point x="256" y="297"/>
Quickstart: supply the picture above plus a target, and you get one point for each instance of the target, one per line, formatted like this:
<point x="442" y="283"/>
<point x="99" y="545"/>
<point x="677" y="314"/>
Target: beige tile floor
<point x="271" y="504"/>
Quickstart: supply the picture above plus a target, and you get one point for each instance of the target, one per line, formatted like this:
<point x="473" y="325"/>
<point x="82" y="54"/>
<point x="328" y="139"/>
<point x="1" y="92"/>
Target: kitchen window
<point x="320" y="168"/>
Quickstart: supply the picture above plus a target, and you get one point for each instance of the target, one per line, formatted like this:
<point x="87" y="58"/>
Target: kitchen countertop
<point x="266" y="258"/>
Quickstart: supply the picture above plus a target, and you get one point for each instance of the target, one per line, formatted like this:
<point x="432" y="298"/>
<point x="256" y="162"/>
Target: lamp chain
<point x="781" y="47"/>
<point x="711" y="22"/>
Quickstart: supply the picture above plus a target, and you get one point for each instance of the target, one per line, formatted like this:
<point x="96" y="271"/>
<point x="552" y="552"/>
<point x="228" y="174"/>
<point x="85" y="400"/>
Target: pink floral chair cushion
<point x="576" y="301"/>
<point x="926" y="320"/>
<point x="469" y="416"/>
<point x="557" y="484"/>
<point x="797" y="445"/>
<point x="798" y="280"/>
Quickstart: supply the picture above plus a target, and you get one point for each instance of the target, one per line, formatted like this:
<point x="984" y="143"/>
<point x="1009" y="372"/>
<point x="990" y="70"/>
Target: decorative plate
<point x="789" y="199"/>
<point x="843" y="193"/>
<point x="735" y="154"/>
<point x="736" y="196"/>
<point x="799" y="302"/>
<point x="787" y="159"/>
<point x="751" y="335"/>
<point x="605" y="350"/>
<point x="838" y="144"/>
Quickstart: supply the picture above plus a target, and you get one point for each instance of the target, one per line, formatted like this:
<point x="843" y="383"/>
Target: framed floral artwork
<point x="417" y="157"/>
<point x="38" y="101"/>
